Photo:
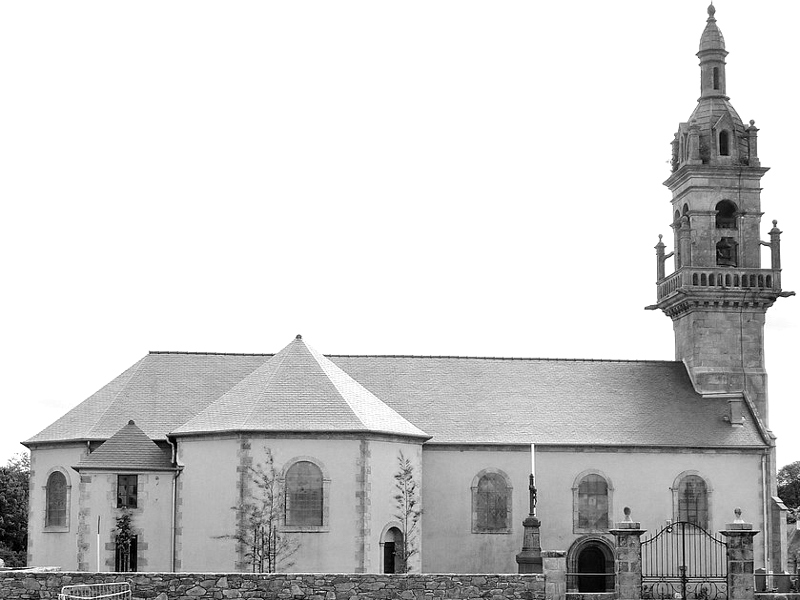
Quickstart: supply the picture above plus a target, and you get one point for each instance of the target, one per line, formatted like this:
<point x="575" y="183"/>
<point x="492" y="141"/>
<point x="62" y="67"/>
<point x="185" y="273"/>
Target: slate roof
<point x="128" y="449"/>
<point x="299" y="389"/>
<point x="550" y="401"/>
<point x="160" y="392"/>
<point x="455" y="400"/>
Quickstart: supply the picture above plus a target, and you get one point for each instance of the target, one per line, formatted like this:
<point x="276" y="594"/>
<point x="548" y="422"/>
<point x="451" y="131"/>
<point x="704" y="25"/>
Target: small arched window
<point x="693" y="500"/>
<point x="715" y="77"/>
<point x="726" y="215"/>
<point x="724" y="143"/>
<point x="56" y="494"/>
<point x="591" y="504"/>
<point x="304" y="495"/>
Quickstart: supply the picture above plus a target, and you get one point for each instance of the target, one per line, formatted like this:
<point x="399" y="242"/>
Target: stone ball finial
<point x="627" y="512"/>
<point x="659" y="237"/>
<point x="131" y="422"/>
<point x="774" y="222"/>
<point x="752" y="122"/>
<point x="298" y="337"/>
<point x="738" y="512"/>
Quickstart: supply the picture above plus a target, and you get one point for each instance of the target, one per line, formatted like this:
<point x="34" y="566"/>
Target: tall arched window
<point x="591" y="503"/>
<point x="304" y="495"/>
<point x="716" y="78"/>
<point x="693" y="500"/>
<point x="491" y="502"/>
<point x="56" y="498"/>
<point x="724" y="143"/>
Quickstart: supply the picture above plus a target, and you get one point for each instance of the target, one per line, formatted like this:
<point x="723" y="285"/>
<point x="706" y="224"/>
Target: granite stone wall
<point x="23" y="585"/>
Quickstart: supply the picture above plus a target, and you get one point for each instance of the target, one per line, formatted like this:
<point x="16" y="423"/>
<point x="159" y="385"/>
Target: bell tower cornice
<point x="707" y="175"/>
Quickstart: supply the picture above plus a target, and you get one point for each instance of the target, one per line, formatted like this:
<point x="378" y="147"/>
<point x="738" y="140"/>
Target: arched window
<point x="726" y="215"/>
<point x="591" y="503"/>
<point x="491" y="502"/>
<point x="716" y="78"/>
<point x="724" y="143"/>
<point x="56" y="498"/>
<point x="693" y="501"/>
<point x="304" y="495"/>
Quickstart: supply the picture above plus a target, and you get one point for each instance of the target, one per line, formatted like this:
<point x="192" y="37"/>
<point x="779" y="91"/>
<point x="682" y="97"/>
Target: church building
<point x="212" y="458"/>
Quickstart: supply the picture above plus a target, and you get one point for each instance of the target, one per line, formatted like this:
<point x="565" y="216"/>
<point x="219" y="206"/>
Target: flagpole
<point x="98" y="543"/>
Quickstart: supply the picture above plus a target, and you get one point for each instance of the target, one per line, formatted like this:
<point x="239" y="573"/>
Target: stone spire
<point x="712" y="59"/>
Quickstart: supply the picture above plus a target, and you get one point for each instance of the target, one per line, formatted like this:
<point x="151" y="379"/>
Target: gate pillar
<point x="740" y="558"/>
<point x="628" y="563"/>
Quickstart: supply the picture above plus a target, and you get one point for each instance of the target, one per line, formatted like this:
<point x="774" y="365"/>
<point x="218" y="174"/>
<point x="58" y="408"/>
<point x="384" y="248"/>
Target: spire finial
<point x="711" y="10"/>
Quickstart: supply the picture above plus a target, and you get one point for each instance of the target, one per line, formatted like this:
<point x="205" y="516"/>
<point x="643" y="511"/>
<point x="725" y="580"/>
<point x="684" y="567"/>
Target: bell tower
<point x="719" y="292"/>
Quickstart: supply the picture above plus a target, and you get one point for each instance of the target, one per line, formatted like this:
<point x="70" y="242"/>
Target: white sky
<point x="418" y="177"/>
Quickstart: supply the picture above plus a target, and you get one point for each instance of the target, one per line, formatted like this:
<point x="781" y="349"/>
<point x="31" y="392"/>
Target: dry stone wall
<point x="21" y="585"/>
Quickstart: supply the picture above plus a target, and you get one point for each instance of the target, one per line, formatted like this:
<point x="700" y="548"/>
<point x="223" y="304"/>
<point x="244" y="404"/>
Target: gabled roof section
<point x="299" y="390"/>
<point x="161" y="391"/>
<point x="130" y="450"/>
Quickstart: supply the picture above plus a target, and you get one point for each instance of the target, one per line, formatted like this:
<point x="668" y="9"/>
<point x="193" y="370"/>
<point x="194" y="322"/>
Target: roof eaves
<point x="124" y="468"/>
<point x="765" y="433"/>
<point x="364" y="431"/>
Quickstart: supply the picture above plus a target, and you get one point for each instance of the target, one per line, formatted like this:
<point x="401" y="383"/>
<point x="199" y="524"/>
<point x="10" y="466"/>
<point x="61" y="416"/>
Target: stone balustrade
<point x="721" y="277"/>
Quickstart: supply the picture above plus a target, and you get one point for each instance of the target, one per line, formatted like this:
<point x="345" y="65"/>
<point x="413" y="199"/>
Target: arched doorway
<point x="590" y="564"/>
<point x="391" y="544"/>
<point x="591" y="561"/>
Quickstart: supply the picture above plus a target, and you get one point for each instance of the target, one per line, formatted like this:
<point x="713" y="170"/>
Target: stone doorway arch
<point x="590" y="564"/>
<point x="391" y="543"/>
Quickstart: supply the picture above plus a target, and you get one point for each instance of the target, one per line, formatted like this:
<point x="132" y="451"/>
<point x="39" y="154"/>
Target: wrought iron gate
<point x="684" y="561"/>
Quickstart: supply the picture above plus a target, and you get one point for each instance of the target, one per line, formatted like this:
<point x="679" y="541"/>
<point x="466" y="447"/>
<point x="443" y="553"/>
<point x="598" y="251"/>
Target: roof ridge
<point x="447" y="356"/>
<point x="211" y="353"/>
<point x="509" y="358"/>
<point x="122" y="388"/>
<point x="269" y="380"/>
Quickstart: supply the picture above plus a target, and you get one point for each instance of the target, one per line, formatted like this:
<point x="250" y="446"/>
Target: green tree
<point x="14" y="510"/>
<point x="124" y="538"/>
<point x="408" y="511"/>
<point x="265" y="546"/>
<point x="789" y="485"/>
